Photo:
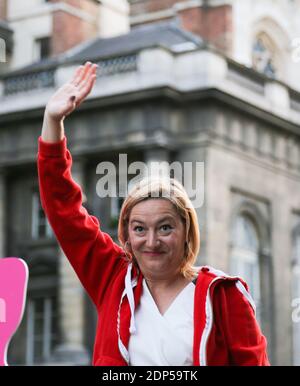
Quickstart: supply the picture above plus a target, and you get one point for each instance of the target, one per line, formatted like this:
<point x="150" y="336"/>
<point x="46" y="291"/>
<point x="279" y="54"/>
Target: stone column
<point x="2" y="214"/>
<point x="71" y="349"/>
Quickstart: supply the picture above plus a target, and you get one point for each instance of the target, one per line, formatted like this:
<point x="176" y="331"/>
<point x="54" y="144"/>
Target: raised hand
<point x="66" y="99"/>
<point x="71" y="94"/>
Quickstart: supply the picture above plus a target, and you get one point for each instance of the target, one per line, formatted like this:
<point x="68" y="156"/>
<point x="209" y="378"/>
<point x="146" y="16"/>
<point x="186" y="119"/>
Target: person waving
<point x="154" y="306"/>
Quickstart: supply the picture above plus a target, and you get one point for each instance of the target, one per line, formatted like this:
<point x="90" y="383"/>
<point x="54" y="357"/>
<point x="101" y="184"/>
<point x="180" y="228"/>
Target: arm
<point x="92" y="253"/>
<point x="246" y="344"/>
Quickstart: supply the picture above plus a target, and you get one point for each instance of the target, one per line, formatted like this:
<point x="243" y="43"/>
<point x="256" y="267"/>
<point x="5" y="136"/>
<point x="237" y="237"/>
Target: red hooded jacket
<point x="225" y="328"/>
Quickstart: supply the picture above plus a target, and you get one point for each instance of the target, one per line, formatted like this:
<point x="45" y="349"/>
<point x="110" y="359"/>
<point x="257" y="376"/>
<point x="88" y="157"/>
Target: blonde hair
<point x="173" y="191"/>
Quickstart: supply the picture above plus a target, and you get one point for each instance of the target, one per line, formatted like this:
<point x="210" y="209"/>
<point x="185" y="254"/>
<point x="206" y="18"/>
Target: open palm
<point x="72" y="94"/>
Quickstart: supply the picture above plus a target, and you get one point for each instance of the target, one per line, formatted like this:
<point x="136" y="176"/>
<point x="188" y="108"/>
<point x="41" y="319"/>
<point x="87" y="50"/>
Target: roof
<point x="162" y="34"/>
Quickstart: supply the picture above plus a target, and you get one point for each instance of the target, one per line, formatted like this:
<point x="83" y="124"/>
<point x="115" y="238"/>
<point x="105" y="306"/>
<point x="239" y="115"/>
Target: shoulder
<point x="222" y="287"/>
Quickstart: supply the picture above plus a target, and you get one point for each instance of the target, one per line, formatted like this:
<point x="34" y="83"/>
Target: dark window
<point x="41" y="331"/>
<point x="43" y="47"/>
<point x="40" y="227"/>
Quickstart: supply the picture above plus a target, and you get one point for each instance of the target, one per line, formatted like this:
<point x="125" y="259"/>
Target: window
<point x="244" y="259"/>
<point x="296" y="295"/>
<point x="41" y="316"/>
<point x="115" y="208"/>
<point x="116" y="205"/>
<point x="42" y="48"/>
<point x="264" y="56"/>
<point x="40" y="227"/>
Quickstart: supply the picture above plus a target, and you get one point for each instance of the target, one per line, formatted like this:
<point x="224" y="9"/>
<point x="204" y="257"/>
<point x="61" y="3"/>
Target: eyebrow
<point x="161" y="220"/>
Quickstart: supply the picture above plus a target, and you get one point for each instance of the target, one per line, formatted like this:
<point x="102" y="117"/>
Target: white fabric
<point x="163" y="340"/>
<point x="129" y="293"/>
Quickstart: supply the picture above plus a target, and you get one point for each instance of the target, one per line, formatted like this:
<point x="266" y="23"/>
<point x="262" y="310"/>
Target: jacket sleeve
<point x="92" y="253"/>
<point x="247" y="346"/>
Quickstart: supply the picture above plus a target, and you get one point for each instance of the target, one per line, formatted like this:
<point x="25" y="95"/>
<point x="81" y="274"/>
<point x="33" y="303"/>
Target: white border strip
<point x="247" y="295"/>
<point x="127" y="291"/>
<point x="208" y="325"/>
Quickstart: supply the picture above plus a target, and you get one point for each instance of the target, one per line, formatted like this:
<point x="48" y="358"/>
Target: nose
<point x="152" y="241"/>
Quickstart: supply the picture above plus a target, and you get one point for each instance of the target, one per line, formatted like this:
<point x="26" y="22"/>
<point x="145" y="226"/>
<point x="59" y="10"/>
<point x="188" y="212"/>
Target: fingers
<point x="87" y="84"/>
<point x="86" y="90"/>
<point x="91" y="70"/>
<point x="81" y="74"/>
<point x="77" y="76"/>
<point x="84" y="73"/>
<point x="82" y="82"/>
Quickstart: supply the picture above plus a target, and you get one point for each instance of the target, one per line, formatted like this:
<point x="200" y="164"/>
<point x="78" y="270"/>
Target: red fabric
<point x="100" y="264"/>
<point x="236" y="338"/>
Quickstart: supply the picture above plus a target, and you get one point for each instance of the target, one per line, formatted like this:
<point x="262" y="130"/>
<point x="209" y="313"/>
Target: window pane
<point x="263" y="56"/>
<point x="38" y="306"/>
<point x="244" y="259"/>
<point x="245" y="235"/>
<point x="38" y="351"/>
<point x="41" y="332"/>
<point x="43" y="47"/>
<point x="40" y="225"/>
<point x="42" y="230"/>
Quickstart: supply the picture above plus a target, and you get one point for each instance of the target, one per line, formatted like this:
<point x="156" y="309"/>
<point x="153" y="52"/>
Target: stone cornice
<point x="195" y="70"/>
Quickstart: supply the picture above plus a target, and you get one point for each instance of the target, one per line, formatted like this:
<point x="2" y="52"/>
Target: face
<point x="157" y="238"/>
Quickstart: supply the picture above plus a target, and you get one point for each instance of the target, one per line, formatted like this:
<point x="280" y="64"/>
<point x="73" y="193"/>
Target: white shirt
<point x="163" y="340"/>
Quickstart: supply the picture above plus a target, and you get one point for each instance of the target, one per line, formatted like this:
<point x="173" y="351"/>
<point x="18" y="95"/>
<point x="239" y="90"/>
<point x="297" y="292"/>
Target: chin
<point x="156" y="267"/>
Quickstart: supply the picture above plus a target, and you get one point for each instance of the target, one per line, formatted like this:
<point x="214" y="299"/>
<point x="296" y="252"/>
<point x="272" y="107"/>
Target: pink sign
<point x="13" y="287"/>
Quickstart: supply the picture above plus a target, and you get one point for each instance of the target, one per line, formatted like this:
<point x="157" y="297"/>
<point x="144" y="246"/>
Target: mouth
<point x="153" y="253"/>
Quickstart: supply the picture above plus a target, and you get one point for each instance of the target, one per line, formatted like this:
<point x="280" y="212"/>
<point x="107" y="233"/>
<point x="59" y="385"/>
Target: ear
<point x="128" y="245"/>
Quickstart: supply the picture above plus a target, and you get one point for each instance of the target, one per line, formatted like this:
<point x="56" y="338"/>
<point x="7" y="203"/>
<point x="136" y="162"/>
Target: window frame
<point x="239" y="267"/>
<point x="37" y="50"/>
<point x="36" y="209"/>
<point x="48" y="337"/>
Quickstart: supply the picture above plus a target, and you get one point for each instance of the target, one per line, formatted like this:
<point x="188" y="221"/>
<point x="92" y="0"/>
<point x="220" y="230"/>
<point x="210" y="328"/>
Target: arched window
<point x="244" y="259"/>
<point x="296" y="295"/>
<point x="265" y="56"/>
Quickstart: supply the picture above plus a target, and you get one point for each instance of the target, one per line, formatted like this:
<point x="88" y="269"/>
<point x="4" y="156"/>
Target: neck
<point x="170" y="282"/>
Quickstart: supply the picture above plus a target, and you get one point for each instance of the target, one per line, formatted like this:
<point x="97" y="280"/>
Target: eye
<point x="138" y="229"/>
<point x="166" y="227"/>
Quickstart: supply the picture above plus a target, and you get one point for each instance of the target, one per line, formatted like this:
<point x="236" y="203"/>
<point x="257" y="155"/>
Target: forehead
<point x="153" y="210"/>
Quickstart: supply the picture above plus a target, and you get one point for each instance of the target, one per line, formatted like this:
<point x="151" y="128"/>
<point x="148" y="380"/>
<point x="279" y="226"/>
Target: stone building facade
<point x="44" y="28"/>
<point x="167" y="90"/>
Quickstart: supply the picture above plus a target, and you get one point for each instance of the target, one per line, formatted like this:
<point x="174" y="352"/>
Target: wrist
<point x="53" y="129"/>
<point x="52" y="119"/>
